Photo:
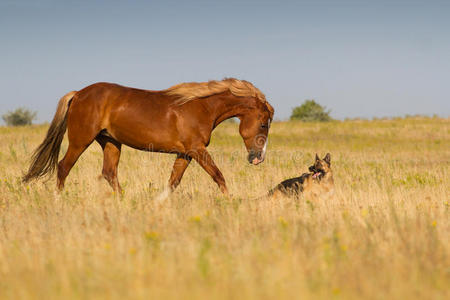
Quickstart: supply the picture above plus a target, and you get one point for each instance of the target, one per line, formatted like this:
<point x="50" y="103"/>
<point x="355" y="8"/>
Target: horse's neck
<point x="223" y="108"/>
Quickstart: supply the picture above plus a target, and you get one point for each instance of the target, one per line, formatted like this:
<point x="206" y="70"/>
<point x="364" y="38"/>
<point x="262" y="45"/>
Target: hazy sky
<point x="358" y="58"/>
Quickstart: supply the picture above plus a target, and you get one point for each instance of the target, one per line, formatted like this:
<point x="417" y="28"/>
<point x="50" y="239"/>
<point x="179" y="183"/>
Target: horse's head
<point x="254" y="129"/>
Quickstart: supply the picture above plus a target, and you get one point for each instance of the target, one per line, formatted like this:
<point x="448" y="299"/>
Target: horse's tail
<point x="45" y="157"/>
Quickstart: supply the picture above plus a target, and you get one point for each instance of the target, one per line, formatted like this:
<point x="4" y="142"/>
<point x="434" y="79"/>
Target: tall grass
<point x="385" y="235"/>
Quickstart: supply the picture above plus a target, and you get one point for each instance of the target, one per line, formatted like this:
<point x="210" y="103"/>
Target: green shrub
<point x="19" y="117"/>
<point x="311" y="111"/>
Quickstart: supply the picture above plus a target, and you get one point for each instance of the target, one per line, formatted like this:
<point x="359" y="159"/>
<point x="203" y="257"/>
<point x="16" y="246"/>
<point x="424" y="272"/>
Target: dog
<point x="318" y="183"/>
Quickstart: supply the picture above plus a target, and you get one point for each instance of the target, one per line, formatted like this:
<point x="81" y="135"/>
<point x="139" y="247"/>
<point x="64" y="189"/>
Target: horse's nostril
<point x="252" y="154"/>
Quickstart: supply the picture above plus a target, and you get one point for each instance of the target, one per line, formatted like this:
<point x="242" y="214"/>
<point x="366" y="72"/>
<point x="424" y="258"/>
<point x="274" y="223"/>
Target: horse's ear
<point x="317" y="157"/>
<point x="327" y="159"/>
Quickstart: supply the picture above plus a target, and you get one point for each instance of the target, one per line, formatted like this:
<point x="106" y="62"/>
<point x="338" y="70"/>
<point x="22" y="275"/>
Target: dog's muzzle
<point x="317" y="174"/>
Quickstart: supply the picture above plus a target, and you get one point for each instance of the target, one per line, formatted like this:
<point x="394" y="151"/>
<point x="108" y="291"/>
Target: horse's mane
<point x="185" y="92"/>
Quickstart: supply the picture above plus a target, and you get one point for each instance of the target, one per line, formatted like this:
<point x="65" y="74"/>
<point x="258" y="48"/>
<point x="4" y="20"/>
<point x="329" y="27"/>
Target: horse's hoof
<point x="163" y="196"/>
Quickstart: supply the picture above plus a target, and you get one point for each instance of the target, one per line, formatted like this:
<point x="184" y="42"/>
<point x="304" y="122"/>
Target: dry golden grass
<point x="385" y="235"/>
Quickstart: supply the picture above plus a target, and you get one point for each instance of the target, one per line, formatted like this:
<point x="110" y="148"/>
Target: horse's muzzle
<point x="255" y="157"/>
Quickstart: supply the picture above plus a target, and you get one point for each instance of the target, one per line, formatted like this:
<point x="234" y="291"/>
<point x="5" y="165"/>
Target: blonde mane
<point x="185" y="92"/>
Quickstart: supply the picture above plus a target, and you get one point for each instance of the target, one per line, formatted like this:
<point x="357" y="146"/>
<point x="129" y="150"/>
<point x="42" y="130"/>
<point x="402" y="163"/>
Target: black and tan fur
<point x="318" y="183"/>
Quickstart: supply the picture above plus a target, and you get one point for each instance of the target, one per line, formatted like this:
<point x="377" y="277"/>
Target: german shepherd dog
<point x="318" y="183"/>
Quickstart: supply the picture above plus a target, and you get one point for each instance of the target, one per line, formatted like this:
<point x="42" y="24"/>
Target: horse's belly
<point x="148" y="140"/>
<point x="153" y="133"/>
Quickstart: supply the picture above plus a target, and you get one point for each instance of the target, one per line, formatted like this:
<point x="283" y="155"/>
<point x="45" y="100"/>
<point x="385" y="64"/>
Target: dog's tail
<point x="45" y="157"/>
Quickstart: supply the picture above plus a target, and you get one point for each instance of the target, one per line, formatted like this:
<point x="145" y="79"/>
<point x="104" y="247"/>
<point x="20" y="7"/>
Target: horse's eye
<point x="263" y="126"/>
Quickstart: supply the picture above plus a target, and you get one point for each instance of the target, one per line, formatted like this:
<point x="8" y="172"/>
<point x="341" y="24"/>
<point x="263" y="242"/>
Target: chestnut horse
<point x="177" y="120"/>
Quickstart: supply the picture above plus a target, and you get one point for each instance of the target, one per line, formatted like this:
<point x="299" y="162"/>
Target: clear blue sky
<point x="358" y="58"/>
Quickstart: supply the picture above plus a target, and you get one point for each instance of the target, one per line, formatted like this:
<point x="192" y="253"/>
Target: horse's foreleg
<point x="180" y="165"/>
<point x="205" y="161"/>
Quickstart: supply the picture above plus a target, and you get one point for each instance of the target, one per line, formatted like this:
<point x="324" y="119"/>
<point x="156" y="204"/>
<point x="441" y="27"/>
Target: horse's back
<point x="102" y="91"/>
<point x="138" y="118"/>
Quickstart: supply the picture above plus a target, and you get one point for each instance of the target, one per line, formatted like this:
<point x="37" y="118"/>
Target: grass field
<point x="385" y="235"/>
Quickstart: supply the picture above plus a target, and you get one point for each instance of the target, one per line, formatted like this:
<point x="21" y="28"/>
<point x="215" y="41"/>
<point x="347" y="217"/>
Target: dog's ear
<point x="327" y="159"/>
<point x="317" y="157"/>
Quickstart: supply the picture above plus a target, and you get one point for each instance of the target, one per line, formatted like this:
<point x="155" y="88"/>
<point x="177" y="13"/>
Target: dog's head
<point x="321" y="167"/>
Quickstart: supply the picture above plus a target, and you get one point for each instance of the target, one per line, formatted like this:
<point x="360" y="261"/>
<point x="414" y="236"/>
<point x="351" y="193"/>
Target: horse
<point x="177" y="120"/>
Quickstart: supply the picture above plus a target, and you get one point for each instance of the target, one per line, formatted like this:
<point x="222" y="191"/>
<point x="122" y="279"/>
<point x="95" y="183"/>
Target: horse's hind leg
<point x="64" y="166"/>
<point x="111" y="155"/>
<point x="78" y="142"/>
